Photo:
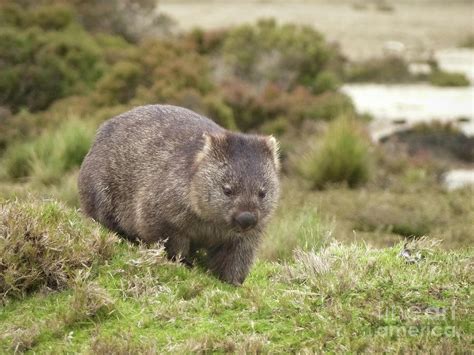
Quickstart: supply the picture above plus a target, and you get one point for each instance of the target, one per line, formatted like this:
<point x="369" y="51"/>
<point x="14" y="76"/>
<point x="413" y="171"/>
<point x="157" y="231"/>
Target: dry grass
<point x="121" y="344"/>
<point x="43" y="244"/>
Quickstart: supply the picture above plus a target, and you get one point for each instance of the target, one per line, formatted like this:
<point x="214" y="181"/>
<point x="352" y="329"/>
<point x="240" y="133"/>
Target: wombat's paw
<point x="187" y="262"/>
<point x="232" y="279"/>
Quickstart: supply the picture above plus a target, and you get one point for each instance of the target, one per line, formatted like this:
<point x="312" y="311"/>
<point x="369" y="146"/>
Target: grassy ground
<point x="128" y="299"/>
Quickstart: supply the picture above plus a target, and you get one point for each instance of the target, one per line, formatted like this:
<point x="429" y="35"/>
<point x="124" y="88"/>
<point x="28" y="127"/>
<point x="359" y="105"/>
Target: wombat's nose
<point x="246" y="220"/>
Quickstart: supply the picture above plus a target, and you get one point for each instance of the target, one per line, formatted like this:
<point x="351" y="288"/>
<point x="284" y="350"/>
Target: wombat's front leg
<point x="177" y="247"/>
<point x="231" y="261"/>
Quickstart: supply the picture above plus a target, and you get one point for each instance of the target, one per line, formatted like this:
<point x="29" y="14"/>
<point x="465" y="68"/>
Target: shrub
<point x="326" y="81"/>
<point x="43" y="244"/>
<point x="342" y="157"/>
<point x="221" y="113"/>
<point x="288" y="55"/>
<point x="41" y="65"/>
<point x="52" y="154"/>
<point x="327" y="106"/>
<point x="119" y="85"/>
<point x="131" y="19"/>
<point x="442" y="78"/>
<point x="206" y="42"/>
<point x="55" y="17"/>
<point x="390" y="69"/>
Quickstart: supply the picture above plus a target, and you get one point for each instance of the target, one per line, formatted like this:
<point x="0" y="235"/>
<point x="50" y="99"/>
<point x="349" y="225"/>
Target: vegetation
<point x="69" y="285"/>
<point x="442" y="78"/>
<point x="44" y="60"/>
<point x="400" y="303"/>
<point x="342" y="157"/>
<point x="43" y="245"/>
<point x="391" y="69"/>
<point x="49" y="156"/>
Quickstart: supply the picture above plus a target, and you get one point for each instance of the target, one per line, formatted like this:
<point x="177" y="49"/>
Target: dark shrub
<point x="380" y="70"/>
<point x="288" y="55"/>
<point x="40" y="66"/>
<point x="119" y="85"/>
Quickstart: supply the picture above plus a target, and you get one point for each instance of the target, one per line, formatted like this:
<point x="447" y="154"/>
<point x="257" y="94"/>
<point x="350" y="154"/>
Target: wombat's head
<point x="235" y="183"/>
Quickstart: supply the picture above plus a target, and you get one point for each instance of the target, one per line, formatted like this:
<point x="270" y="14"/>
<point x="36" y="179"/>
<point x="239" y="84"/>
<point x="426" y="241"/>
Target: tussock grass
<point x="47" y="158"/>
<point x="43" y="244"/>
<point x="342" y="157"/>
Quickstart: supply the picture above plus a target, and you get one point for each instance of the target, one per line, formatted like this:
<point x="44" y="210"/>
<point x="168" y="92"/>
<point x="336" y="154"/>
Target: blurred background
<point x="372" y="101"/>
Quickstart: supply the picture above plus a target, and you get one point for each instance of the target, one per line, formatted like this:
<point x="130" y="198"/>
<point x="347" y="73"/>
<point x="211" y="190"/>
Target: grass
<point x="339" y="298"/>
<point x="43" y="245"/>
<point x="442" y="78"/>
<point x="51" y="155"/>
<point x="342" y="157"/>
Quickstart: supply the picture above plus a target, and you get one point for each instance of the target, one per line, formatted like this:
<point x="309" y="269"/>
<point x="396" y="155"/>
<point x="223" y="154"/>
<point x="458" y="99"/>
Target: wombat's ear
<point x="274" y="147"/>
<point x="211" y="142"/>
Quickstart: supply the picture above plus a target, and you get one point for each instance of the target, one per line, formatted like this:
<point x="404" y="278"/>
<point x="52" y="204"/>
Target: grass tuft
<point x="43" y="244"/>
<point x="342" y="157"/>
<point x="48" y="157"/>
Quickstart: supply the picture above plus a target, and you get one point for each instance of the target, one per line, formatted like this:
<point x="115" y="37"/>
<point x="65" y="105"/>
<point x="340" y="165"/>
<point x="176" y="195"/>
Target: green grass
<point x="442" y="78"/>
<point x="48" y="157"/>
<point x="339" y="298"/>
<point x="342" y="157"/>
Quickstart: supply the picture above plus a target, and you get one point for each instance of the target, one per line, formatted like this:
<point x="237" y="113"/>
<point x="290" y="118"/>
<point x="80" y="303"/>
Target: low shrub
<point x="327" y="106"/>
<point x="43" y="244"/>
<point x="118" y="86"/>
<point x="391" y="69"/>
<point x="442" y="78"/>
<point x="42" y="64"/>
<point x="288" y="55"/>
<point x="342" y="157"/>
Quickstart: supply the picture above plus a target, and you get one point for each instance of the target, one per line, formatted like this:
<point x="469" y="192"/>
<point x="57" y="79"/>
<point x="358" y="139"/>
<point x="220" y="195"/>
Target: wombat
<point x="165" y="173"/>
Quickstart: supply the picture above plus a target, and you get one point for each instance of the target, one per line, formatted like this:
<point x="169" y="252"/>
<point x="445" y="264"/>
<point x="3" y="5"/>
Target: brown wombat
<point x="161" y="172"/>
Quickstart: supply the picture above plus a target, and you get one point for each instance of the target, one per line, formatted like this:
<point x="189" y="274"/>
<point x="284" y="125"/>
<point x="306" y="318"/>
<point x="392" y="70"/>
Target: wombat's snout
<point x="246" y="220"/>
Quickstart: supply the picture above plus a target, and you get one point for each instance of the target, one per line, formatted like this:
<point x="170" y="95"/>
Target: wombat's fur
<point x="162" y="172"/>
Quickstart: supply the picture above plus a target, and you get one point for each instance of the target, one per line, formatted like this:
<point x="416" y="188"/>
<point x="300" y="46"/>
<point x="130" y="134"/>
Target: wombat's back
<point x="133" y="153"/>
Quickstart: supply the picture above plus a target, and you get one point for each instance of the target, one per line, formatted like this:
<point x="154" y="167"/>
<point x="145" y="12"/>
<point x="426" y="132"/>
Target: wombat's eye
<point x="227" y="190"/>
<point x="262" y="193"/>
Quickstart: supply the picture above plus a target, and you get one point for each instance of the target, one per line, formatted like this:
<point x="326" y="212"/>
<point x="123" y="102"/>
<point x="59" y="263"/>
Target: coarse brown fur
<point x="162" y="172"/>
